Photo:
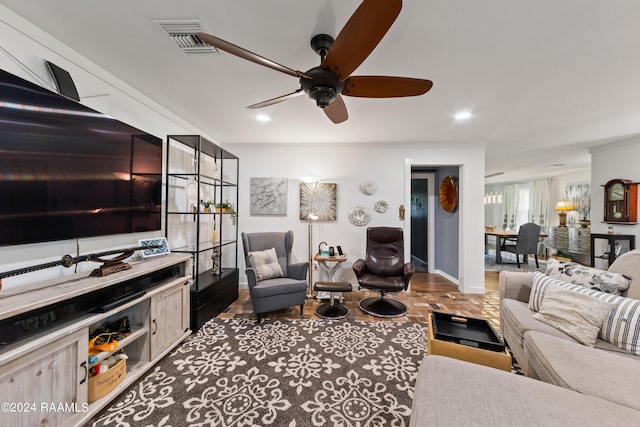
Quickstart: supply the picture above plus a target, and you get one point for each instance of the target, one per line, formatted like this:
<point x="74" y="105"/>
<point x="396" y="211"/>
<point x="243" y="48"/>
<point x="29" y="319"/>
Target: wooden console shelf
<point x="49" y="366"/>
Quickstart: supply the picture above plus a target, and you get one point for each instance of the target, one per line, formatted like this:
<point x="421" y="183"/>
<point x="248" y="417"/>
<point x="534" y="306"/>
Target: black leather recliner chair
<point x="384" y="270"/>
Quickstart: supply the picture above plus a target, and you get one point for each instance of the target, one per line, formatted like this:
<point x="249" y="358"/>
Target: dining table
<point x="500" y="237"/>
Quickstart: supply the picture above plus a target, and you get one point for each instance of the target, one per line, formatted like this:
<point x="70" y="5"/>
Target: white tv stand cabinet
<point x="44" y="375"/>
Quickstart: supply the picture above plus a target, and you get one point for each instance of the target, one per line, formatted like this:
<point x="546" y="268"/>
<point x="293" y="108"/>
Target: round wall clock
<point x="449" y="194"/>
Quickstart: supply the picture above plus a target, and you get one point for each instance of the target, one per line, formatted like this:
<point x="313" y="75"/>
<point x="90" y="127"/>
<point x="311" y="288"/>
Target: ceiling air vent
<point x="183" y="34"/>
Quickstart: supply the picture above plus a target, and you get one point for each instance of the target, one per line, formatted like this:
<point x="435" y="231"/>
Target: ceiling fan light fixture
<point x="323" y="95"/>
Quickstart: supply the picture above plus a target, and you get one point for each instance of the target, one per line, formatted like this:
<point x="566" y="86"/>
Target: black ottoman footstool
<point x="331" y="310"/>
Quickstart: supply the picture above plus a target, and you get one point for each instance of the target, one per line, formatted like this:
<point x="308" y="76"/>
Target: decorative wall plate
<point x="192" y="192"/>
<point x="209" y="167"/>
<point x="359" y="215"/>
<point x="449" y="194"/>
<point x="368" y="187"/>
<point x="381" y="206"/>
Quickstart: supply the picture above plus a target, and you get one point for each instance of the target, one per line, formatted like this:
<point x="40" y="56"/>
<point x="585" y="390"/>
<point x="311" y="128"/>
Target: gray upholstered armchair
<point x="274" y="282"/>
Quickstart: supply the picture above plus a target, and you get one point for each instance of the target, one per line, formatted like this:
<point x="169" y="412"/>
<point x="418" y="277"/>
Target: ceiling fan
<point x="339" y="58"/>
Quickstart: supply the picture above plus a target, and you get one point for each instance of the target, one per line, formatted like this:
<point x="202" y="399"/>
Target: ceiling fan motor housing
<point x="323" y="87"/>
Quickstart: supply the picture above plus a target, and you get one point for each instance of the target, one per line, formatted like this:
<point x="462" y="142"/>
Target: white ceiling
<point x="544" y="79"/>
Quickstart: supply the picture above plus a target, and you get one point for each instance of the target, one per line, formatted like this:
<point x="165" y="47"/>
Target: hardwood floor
<point x="429" y="292"/>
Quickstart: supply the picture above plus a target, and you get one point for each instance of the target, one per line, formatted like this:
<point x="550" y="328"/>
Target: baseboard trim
<point x="448" y="277"/>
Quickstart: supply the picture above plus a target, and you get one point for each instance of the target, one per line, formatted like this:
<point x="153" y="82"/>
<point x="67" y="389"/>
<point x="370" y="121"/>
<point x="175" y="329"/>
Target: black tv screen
<point x="67" y="171"/>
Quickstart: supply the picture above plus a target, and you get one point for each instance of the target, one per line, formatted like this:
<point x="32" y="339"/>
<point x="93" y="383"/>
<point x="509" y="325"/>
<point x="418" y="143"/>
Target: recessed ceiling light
<point x="263" y="118"/>
<point x="463" y="115"/>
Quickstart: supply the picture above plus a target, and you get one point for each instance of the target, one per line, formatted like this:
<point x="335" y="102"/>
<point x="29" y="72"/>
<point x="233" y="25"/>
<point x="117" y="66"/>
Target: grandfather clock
<point x="621" y="201"/>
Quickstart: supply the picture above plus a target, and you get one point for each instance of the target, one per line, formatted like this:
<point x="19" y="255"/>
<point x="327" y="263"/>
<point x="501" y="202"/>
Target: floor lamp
<point x="311" y="216"/>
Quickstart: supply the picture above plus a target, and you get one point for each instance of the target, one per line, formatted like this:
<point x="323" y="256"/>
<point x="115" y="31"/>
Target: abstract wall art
<point x="319" y="199"/>
<point x="268" y="196"/>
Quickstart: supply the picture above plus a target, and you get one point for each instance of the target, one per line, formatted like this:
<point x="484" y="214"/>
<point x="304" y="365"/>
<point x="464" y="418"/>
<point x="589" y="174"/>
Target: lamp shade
<point x="563" y="206"/>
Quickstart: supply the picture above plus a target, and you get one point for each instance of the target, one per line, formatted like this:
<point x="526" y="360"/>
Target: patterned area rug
<point x="234" y="372"/>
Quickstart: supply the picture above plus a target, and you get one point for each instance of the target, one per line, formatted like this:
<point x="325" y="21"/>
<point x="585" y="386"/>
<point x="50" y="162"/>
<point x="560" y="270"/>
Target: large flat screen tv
<point x="67" y="171"/>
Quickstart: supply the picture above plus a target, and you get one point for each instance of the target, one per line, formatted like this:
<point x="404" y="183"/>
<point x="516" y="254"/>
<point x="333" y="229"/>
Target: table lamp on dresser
<point x="563" y="206"/>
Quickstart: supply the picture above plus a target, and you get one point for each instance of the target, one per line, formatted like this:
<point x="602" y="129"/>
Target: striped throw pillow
<point x="266" y="264"/>
<point x="540" y="284"/>
<point x="621" y="328"/>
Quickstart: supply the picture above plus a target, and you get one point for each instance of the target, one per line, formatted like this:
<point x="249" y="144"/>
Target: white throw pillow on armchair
<point x="266" y="264"/>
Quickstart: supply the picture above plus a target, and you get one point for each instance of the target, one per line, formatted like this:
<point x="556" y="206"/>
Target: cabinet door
<point x="47" y="386"/>
<point x="169" y="318"/>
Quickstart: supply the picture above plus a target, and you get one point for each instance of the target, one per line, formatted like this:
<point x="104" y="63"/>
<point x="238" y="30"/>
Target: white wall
<point x="349" y="165"/>
<point x="23" y="52"/>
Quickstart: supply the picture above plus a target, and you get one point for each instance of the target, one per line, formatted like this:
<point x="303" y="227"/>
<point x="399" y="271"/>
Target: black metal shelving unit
<point x="198" y="171"/>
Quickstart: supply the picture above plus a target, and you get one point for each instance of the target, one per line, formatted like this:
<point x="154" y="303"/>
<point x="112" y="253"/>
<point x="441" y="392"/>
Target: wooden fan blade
<point x="337" y="111"/>
<point x="277" y="100"/>
<point x="385" y="86"/>
<point x="248" y="55"/>
<point x="360" y="35"/>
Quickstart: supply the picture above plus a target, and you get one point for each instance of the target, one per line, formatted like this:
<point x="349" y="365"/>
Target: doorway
<point x="421" y="219"/>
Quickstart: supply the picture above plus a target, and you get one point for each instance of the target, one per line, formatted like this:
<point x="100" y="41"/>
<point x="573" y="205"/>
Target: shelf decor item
<point x="154" y="247"/>
<point x="621" y="201"/>
<point x="227" y="208"/>
<point x="111" y="265"/>
<point x="103" y="384"/>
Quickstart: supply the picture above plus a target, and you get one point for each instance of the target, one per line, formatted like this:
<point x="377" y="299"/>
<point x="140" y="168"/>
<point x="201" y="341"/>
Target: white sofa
<point x="605" y="370"/>
<point x="450" y="392"/>
<point x="580" y="385"/>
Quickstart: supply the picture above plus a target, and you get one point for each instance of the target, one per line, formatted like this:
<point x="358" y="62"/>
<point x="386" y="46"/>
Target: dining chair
<point x="526" y="243"/>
